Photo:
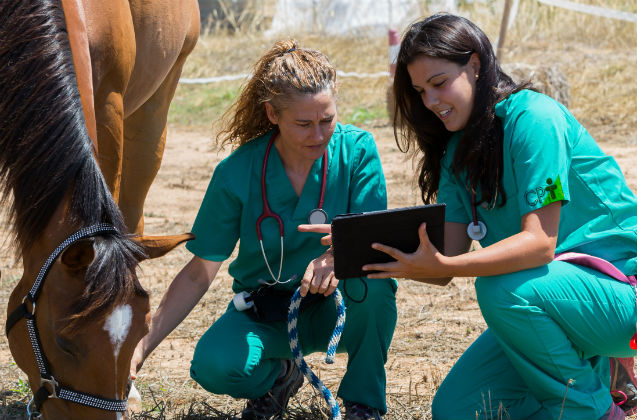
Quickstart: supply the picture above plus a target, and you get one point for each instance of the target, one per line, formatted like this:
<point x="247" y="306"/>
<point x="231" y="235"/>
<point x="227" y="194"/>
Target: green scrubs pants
<point x="549" y="327"/>
<point x="241" y="357"/>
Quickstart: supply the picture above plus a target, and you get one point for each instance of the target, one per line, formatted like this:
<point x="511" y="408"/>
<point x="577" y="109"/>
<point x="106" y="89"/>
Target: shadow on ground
<point x="204" y="411"/>
<point x="12" y="409"/>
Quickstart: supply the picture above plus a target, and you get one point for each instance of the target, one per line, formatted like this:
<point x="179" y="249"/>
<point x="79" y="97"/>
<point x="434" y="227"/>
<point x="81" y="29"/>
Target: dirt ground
<point x="435" y="324"/>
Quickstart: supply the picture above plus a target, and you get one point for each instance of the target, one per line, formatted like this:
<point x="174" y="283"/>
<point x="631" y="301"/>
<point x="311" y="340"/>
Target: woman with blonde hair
<point x="292" y="164"/>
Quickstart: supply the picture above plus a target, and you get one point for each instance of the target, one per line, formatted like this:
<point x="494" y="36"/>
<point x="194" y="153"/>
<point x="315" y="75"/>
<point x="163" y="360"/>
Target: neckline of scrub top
<point x="310" y="195"/>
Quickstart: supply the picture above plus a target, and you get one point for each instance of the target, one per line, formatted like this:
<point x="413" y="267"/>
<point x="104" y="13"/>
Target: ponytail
<point x="285" y="70"/>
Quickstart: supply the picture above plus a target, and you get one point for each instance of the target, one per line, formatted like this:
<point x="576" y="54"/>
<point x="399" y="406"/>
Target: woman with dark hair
<point x="519" y="174"/>
<point x="292" y="163"/>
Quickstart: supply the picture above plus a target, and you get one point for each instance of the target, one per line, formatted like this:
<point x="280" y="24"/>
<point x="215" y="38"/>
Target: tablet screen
<point x="353" y="235"/>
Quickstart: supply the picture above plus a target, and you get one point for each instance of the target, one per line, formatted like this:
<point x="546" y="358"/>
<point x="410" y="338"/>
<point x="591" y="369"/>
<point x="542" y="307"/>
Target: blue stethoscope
<point x="316" y="216"/>
<point x="476" y="230"/>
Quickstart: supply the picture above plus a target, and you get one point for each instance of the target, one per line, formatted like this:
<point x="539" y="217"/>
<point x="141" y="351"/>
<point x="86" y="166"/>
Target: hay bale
<point x="548" y="80"/>
<point x="229" y="15"/>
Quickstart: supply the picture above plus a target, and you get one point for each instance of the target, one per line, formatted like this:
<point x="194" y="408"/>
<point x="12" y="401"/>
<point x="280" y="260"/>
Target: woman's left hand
<point x="425" y="262"/>
<point x="319" y="276"/>
<point x="322" y="228"/>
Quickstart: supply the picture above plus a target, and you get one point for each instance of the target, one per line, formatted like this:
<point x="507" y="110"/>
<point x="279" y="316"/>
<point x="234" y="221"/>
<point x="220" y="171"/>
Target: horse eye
<point x="66" y="345"/>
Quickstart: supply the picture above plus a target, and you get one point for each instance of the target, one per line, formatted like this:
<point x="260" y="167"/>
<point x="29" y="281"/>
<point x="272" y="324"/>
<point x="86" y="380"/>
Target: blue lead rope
<point x="297" y="355"/>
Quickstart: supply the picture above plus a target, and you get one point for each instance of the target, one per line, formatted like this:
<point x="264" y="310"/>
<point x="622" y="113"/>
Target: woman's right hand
<point x="184" y="292"/>
<point x="325" y="240"/>
<point x="137" y="361"/>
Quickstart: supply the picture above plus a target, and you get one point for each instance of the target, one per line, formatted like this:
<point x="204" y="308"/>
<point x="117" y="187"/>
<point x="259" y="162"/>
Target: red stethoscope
<point x="476" y="230"/>
<point x="316" y="216"/>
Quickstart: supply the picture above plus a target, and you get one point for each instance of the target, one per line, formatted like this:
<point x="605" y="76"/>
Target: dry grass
<point x="435" y="325"/>
<point x="598" y="57"/>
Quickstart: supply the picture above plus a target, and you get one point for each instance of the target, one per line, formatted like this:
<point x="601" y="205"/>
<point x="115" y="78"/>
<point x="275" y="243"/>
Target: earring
<point x="476" y="76"/>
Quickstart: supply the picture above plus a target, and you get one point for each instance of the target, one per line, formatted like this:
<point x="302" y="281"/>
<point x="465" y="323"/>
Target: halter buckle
<point x="24" y="302"/>
<point x="51" y="385"/>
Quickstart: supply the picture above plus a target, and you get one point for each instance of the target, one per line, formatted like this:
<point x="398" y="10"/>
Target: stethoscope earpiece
<point x="242" y="301"/>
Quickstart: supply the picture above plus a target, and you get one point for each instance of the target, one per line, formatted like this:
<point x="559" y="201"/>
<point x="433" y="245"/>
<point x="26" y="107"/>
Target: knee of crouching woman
<point x="214" y="374"/>
<point x="496" y="294"/>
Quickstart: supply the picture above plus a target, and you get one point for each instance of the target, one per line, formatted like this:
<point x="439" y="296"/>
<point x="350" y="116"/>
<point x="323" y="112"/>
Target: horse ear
<point x="78" y="255"/>
<point x="156" y="246"/>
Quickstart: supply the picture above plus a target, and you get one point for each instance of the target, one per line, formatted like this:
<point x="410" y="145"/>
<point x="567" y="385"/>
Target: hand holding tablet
<point x="354" y="234"/>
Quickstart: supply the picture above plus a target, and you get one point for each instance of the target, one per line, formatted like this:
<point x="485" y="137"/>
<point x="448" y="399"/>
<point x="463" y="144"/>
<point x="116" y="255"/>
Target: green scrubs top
<point x="548" y="157"/>
<point x="233" y="202"/>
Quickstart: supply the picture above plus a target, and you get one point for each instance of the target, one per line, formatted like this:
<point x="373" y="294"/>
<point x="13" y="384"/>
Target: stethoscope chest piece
<point x="317" y="217"/>
<point x="476" y="230"/>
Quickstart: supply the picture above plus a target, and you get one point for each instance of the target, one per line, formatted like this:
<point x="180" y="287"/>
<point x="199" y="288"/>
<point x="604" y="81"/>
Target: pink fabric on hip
<point x="628" y="363"/>
<point x="596" y="263"/>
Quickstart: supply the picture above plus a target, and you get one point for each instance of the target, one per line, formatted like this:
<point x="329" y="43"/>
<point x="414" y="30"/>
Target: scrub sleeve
<point x="554" y="325"/>
<point x="239" y="355"/>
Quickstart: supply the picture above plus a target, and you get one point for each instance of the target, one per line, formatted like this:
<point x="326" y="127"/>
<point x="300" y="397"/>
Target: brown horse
<point x="78" y="312"/>
<point x="129" y="55"/>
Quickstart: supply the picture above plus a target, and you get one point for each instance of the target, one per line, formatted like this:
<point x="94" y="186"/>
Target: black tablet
<point x="353" y="235"/>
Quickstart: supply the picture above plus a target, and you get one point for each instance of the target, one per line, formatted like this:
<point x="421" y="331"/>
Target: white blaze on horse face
<point x="117" y="325"/>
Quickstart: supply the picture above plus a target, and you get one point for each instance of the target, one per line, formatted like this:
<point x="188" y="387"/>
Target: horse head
<point x="79" y="310"/>
<point x="88" y="316"/>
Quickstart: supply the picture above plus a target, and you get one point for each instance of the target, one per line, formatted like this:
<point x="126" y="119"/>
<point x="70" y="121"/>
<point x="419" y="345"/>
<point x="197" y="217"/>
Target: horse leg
<point x="144" y="140"/>
<point x="110" y="131"/>
<point x="113" y="50"/>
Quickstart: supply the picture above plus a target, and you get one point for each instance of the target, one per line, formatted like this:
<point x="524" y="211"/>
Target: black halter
<point x="49" y="387"/>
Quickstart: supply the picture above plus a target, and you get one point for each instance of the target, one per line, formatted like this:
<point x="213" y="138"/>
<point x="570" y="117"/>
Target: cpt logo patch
<point x="544" y="195"/>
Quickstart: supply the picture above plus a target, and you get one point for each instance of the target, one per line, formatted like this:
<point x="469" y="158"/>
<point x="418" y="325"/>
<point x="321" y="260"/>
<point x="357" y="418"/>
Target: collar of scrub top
<point x="267" y="211"/>
<point x="476" y="230"/>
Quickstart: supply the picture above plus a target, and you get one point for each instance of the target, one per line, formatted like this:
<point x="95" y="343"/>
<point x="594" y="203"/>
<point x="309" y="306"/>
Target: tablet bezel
<point x="353" y="235"/>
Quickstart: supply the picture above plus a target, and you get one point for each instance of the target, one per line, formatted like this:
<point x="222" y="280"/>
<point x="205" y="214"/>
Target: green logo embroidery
<point x="544" y="195"/>
<point x="554" y="190"/>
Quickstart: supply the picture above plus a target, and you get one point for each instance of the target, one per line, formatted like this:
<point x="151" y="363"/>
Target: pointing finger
<point x="322" y="228"/>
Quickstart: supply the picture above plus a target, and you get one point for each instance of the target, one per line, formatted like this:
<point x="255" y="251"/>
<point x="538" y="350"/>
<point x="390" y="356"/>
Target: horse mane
<point x="45" y="150"/>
